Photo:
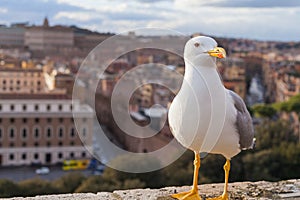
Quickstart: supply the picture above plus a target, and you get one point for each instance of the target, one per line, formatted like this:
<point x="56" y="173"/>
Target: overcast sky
<point x="254" y="19"/>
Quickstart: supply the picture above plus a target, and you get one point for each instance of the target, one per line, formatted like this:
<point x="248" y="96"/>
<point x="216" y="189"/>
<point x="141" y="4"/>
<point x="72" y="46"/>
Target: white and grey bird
<point x="205" y="116"/>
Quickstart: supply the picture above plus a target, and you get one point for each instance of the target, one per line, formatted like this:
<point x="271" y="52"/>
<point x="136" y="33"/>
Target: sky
<point x="253" y="19"/>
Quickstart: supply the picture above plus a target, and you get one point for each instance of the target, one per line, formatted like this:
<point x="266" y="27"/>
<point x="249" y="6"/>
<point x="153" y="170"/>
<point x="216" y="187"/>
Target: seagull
<point x="205" y="117"/>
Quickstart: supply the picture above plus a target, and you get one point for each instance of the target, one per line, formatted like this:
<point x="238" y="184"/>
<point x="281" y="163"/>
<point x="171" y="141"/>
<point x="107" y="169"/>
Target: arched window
<point x="24" y="133"/>
<point x="36" y="132"/>
<point x="60" y="132"/>
<point x="12" y="133"/>
<point x="49" y="132"/>
<point x="72" y="132"/>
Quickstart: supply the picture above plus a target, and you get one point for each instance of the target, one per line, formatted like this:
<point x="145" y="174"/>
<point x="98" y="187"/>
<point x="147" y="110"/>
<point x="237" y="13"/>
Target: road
<point x="28" y="172"/>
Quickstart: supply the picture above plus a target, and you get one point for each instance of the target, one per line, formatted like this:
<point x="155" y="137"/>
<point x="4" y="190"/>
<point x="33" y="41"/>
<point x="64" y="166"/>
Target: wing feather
<point x="244" y="123"/>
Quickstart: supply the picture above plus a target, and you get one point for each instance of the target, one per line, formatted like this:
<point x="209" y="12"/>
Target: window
<point x="24" y="144"/>
<point x="24" y="156"/>
<point x="72" y="132"/>
<point x="24" y="120"/>
<point x="0" y="120"/>
<point x="36" y="107"/>
<point x="12" y="107"/>
<point x="24" y="107"/>
<point x="71" y="107"/>
<point x="37" y="120"/>
<point x="84" y="132"/>
<point x="11" y="156"/>
<point x="60" y="144"/>
<point x="12" y="144"/>
<point x="49" y="120"/>
<point x="61" y="120"/>
<point x="0" y="107"/>
<point x="49" y="132"/>
<point x="0" y="133"/>
<point x="24" y="133"/>
<point x="12" y="120"/>
<point x="48" y="107"/>
<point x="36" y="156"/>
<point x="48" y="144"/>
<point x="72" y="155"/>
<point x="60" y="155"/>
<point x="12" y="133"/>
<point x="60" y="107"/>
<point x="36" y="144"/>
<point x="83" y="154"/>
<point x="36" y="132"/>
<point x="60" y="132"/>
<point x="72" y="143"/>
<point x="18" y="82"/>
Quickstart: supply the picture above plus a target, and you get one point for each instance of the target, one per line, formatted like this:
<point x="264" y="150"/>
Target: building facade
<point x="49" y="40"/>
<point x="21" y="80"/>
<point x="42" y="130"/>
<point x="12" y="37"/>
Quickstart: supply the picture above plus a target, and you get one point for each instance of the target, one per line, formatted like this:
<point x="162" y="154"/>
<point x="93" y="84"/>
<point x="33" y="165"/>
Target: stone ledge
<point x="264" y="190"/>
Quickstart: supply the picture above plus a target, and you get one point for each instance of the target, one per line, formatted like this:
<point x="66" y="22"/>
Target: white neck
<point x="208" y="73"/>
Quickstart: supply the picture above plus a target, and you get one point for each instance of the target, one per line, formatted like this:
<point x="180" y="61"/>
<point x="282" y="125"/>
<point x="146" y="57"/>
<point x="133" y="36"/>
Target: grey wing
<point x="244" y="123"/>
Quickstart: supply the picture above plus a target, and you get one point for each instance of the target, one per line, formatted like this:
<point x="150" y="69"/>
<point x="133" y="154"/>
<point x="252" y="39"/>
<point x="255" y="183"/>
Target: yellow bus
<point x="75" y="164"/>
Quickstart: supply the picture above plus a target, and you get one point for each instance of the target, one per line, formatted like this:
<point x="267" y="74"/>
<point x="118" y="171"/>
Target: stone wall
<point x="263" y="190"/>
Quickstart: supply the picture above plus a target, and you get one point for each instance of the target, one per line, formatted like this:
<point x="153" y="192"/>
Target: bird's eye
<point x="197" y="44"/>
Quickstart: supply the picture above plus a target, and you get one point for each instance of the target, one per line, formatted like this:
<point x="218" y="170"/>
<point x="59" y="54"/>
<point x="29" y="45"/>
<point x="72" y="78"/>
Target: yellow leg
<point x="193" y="193"/>
<point x="224" y="196"/>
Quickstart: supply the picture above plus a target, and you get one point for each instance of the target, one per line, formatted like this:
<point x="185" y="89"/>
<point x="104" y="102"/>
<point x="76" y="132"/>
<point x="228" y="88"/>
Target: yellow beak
<point x="218" y="52"/>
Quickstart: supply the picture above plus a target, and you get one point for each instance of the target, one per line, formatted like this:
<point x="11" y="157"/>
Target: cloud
<point x="78" y="16"/>
<point x="152" y="1"/>
<point x="33" y="11"/>
<point x="3" y="10"/>
<point x="255" y="3"/>
<point x="268" y="19"/>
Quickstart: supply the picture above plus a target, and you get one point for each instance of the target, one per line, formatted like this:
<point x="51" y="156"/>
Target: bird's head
<point x="202" y="50"/>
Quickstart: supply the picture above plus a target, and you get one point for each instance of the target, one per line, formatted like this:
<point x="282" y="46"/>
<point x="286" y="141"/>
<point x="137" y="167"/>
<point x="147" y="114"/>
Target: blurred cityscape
<point x="43" y="124"/>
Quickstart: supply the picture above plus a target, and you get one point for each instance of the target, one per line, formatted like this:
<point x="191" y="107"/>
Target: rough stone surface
<point x="263" y="190"/>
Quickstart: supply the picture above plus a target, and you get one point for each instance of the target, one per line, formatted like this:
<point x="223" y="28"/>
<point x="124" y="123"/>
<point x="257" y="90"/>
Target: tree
<point x="9" y="189"/>
<point x="264" y="110"/>
<point x="33" y="187"/>
<point x="69" y="182"/>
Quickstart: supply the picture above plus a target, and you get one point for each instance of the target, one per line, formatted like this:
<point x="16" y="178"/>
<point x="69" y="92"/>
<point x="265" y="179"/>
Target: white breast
<point x="202" y="115"/>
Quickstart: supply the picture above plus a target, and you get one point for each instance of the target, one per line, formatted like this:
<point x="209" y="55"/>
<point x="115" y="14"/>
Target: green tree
<point x="69" y="182"/>
<point x="264" y="110"/>
<point x="9" y="189"/>
<point x="152" y="179"/>
<point x="33" y="187"/>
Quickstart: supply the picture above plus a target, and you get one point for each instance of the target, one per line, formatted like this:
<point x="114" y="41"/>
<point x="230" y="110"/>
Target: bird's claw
<point x="222" y="197"/>
<point x="190" y="195"/>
